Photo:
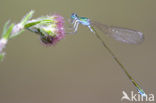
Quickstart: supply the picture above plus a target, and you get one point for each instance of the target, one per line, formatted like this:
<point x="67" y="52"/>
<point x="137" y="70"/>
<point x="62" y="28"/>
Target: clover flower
<point x="50" y="28"/>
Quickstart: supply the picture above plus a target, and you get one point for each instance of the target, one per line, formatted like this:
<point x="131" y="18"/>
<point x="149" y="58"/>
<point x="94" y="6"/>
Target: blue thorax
<point x="82" y="20"/>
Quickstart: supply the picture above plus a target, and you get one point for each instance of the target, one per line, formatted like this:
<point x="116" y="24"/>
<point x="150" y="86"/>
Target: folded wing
<point x="121" y="34"/>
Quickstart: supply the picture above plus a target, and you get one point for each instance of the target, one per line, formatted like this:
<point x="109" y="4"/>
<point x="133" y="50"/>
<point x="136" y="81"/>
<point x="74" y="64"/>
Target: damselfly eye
<point x="73" y="16"/>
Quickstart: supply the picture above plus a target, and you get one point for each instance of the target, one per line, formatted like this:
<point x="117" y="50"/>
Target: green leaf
<point x="31" y="24"/>
<point x="14" y="35"/>
<point x="2" y="56"/>
<point x="28" y="25"/>
<point x="22" y="23"/>
<point x="27" y="17"/>
<point x="5" y="27"/>
<point x="8" y="32"/>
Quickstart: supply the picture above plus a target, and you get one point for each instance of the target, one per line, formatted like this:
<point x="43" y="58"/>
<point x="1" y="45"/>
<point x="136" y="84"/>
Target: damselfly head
<point x="73" y="16"/>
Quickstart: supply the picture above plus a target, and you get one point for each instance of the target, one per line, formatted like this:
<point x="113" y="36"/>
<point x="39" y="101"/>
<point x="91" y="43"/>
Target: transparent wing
<point x="121" y="34"/>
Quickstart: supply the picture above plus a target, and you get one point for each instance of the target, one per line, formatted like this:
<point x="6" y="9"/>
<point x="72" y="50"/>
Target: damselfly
<point x="121" y="34"/>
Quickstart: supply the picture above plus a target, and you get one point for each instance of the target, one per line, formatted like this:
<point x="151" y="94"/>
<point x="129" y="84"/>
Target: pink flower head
<point x="50" y="28"/>
<point x="57" y="31"/>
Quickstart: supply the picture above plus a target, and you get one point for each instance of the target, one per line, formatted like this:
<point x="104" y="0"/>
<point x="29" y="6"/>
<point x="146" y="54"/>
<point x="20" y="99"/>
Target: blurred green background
<point x="78" y="69"/>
